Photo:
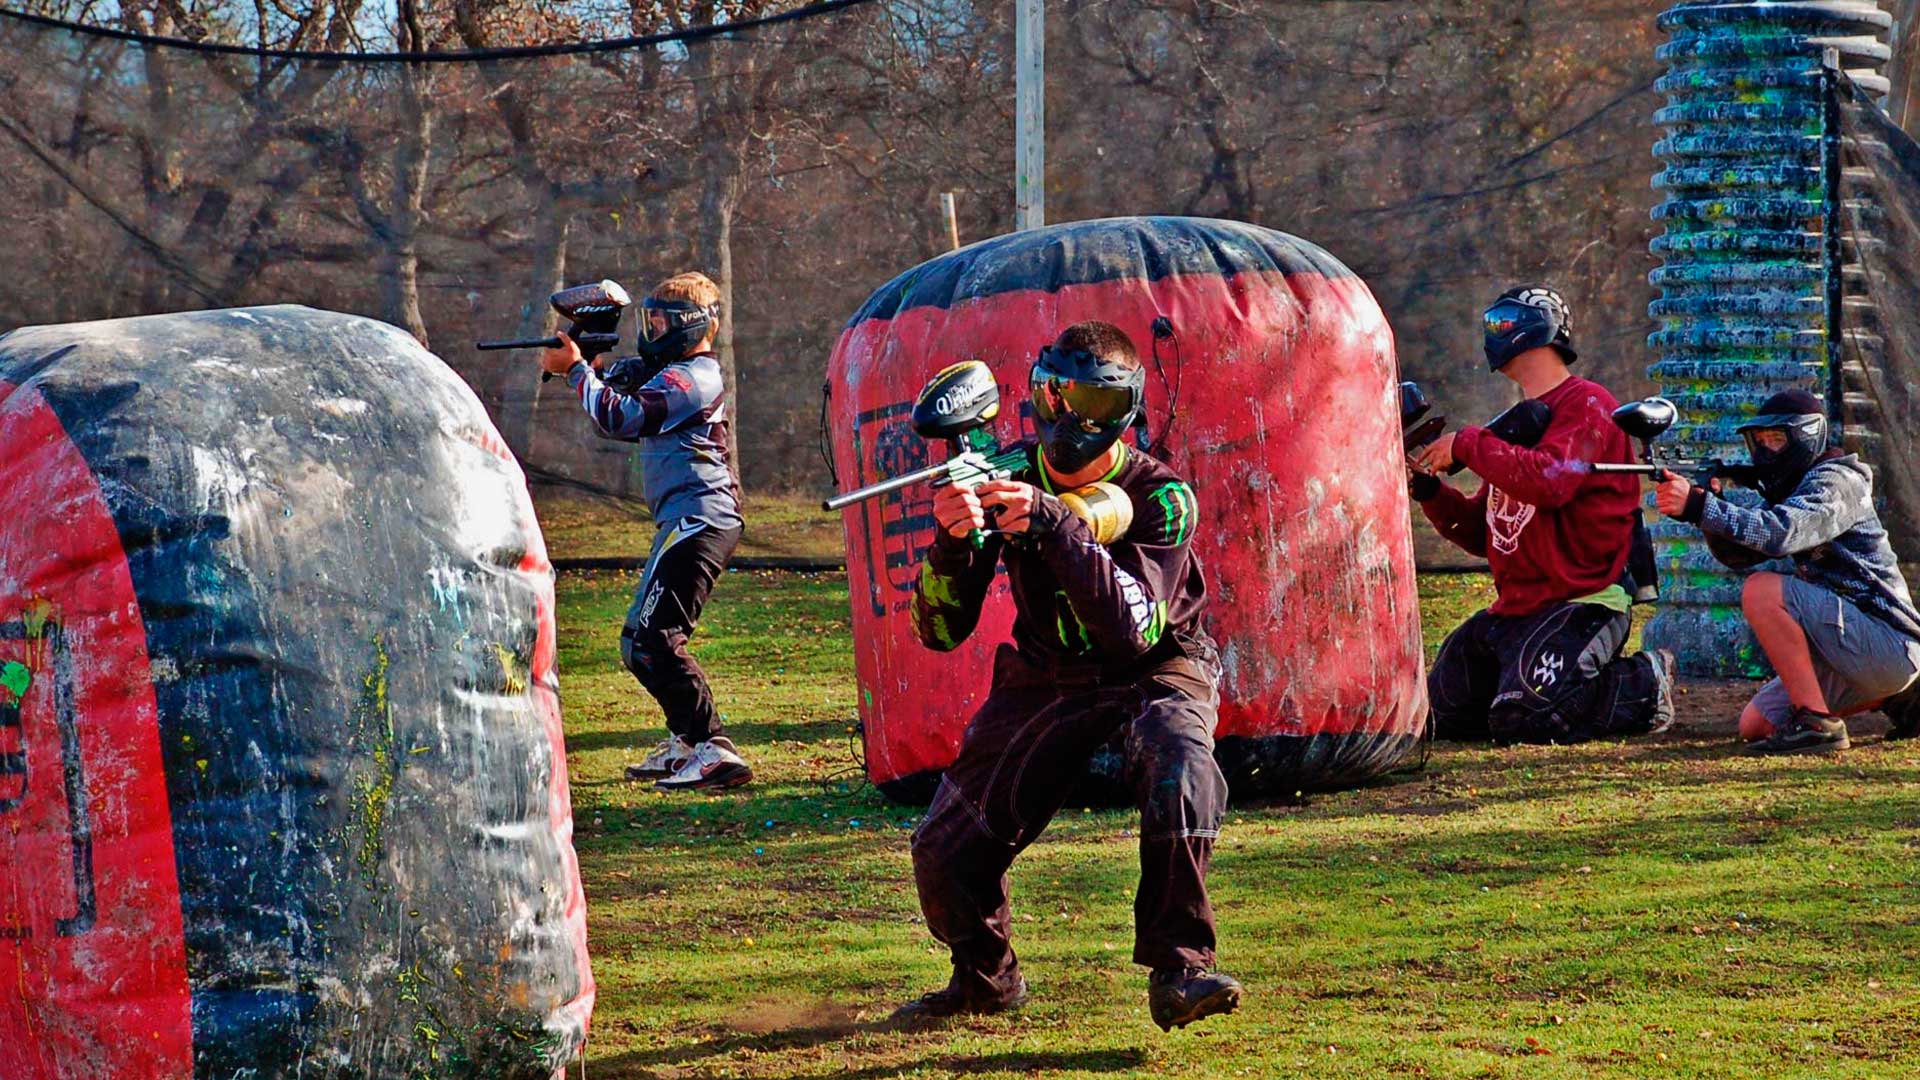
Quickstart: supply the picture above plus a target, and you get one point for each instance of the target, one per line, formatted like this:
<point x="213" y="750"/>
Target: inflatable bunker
<point x="1271" y="386"/>
<point x="282" y="787"/>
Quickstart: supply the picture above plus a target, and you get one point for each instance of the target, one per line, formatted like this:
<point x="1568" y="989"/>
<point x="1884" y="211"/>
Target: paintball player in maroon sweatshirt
<point x="1106" y="638"/>
<point x="1544" y="663"/>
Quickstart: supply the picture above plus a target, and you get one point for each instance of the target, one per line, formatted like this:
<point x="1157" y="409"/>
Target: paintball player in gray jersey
<point x="672" y="402"/>
<point x="1841" y="632"/>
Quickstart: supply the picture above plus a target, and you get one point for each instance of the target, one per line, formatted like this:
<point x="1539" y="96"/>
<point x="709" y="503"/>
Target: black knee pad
<point x="1512" y="724"/>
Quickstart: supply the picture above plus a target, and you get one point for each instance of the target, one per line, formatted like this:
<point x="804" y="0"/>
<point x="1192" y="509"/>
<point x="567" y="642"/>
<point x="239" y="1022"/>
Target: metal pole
<point x="1030" y="115"/>
<point x="952" y="220"/>
<point x="1830" y="170"/>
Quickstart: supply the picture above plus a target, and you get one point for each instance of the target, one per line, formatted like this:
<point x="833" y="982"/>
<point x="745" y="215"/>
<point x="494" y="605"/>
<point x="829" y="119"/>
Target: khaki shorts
<point x="1858" y="659"/>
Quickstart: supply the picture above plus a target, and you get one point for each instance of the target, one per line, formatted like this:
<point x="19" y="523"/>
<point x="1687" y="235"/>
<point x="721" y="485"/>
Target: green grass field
<point x="581" y="525"/>
<point x="1663" y="908"/>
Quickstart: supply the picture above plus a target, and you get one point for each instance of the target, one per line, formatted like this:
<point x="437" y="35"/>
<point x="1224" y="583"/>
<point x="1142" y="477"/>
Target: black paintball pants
<point x="1021" y="756"/>
<point x="1552" y="677"/>
<point x="688" y="555"/>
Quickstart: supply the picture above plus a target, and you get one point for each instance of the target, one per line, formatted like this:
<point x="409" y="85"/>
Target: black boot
<point x="1903" y="713"/>
<point x="949" y="1002"/>
<point x="1178" y="996"/>
<point x="1805" y="732"/>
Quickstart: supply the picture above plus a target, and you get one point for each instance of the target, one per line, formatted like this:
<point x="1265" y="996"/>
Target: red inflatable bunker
<point x="1271" y="387"/>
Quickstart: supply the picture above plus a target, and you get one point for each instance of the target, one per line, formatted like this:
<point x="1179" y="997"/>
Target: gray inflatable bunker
<point x="282" y="784"/>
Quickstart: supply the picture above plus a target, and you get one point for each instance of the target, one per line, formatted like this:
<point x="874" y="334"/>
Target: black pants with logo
<point x="688" y="555"/>
<point x="1017" y="762"/>
<point x="1555" y="676"/>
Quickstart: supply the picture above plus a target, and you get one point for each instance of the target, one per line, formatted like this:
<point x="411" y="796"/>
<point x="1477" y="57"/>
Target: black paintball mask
<point x="1082" y="404"/>
<point x="1799" y="414"/>
<point x="687" y="323"/>
<point x="1527" y="317"/>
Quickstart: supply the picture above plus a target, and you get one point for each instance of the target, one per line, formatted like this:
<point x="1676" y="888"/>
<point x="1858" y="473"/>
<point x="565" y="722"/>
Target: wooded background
<point x="1443" y="150"/>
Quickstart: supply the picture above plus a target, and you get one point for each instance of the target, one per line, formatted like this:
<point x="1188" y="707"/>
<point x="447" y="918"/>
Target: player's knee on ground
<point x="1754" y="723"/>
<point x="1458" y="727"/>
<point x="1521" y="724"/>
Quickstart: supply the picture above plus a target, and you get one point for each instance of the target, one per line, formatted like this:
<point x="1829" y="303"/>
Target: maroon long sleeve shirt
<point x="1551" y="529"/>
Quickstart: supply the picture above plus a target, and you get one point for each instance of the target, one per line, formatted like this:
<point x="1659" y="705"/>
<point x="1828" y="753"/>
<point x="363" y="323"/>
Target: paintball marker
<point x="956" y="405"/>
<point x="1646" y="421"/>
<point x="1416" y="432"/>
<point x="593" y="312"/>
<point x="1522" y="425"/>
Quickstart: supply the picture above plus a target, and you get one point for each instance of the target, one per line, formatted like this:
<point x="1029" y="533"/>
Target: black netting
<point x="1443" y="151"/>
<point x="1879" y="353"/>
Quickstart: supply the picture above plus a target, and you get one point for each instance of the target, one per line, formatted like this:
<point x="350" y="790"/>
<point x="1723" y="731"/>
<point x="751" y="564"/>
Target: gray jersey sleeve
<point x="1827" y="503"/>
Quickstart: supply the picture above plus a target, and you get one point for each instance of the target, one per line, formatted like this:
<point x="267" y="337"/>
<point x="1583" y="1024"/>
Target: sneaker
<point x="946" y="1003"/>
<point x="1663" y="690"/>
<point x="1805" y="732"/>
<point x="1177" y="997"/>
<point x="714" y="765"/>
<point x="667" y="758"/>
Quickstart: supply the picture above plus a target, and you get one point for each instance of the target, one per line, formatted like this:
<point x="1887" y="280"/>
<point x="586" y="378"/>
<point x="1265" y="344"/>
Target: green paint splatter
<point x="16" y="678"/>
<point x="515" y="672"/>
<point x="936" y="588"/>
<point x="370" y="732"/>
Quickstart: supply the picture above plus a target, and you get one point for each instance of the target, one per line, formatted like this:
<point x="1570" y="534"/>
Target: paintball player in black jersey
<point x="1106" y="638"/>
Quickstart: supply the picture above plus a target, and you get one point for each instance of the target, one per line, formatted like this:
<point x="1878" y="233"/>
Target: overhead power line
<point x="694" y="33"/>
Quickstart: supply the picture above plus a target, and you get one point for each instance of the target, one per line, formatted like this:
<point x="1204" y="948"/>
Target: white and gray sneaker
<point x="714" y="765"/>
<point x="1662" y="718"/>
<point x="668" y="758"/>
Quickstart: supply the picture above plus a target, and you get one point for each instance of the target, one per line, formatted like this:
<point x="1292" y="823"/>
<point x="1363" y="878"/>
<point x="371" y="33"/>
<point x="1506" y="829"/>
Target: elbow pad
<point x="1105" y="508"/>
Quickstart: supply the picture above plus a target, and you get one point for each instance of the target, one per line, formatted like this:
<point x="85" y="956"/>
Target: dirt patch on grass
<point x="770" y="1017"/>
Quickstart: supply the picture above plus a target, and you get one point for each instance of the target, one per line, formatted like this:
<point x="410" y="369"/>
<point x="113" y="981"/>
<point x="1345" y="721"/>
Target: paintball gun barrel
<point x="593" y="313"/>
<point x="1417" y="429"/>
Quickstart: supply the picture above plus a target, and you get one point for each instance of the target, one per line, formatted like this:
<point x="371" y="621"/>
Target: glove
<point x="1422" y="486"/>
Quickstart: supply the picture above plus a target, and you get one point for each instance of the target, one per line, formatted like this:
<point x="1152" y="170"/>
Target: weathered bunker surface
<point x="282" y="789"/>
